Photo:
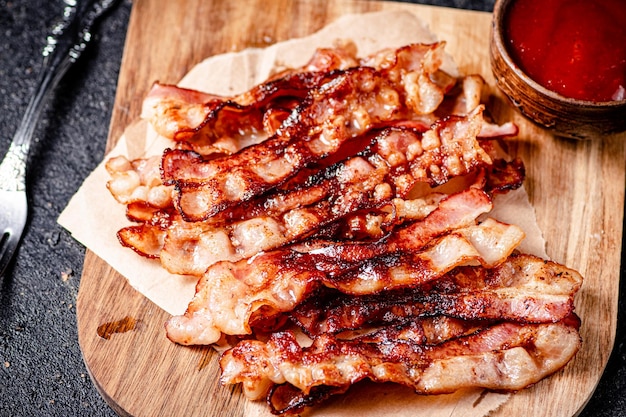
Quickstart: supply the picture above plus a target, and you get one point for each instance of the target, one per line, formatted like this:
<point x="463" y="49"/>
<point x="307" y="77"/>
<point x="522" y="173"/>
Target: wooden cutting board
<point x="576" y="187"/>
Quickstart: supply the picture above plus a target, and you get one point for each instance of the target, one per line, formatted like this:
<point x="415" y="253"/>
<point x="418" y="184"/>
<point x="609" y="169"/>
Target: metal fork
<point x="64" y="45"/>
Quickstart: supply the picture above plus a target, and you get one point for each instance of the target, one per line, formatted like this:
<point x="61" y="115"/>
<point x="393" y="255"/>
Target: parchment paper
<point x="93" y="216"/>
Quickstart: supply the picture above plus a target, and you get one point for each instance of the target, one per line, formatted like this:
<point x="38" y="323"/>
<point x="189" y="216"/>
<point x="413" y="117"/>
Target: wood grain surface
<point x="576" y="187"/>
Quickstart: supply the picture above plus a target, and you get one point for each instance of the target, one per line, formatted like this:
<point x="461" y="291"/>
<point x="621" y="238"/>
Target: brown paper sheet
<point x="93" y="216"/>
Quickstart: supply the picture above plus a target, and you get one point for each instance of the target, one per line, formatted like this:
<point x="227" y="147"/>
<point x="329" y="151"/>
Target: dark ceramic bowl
<point x="561" y="115"/>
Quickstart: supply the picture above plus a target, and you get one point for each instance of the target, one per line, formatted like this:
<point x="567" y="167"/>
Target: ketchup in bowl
<point x="576" y="48"/>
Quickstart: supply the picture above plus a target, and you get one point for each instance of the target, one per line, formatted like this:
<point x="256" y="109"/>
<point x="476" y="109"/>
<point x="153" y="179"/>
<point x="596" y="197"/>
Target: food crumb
<point x="65" y="275"/>
<point x="6" y="364"/>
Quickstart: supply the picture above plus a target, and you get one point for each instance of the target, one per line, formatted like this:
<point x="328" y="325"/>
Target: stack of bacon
<point x="337" y="218"/>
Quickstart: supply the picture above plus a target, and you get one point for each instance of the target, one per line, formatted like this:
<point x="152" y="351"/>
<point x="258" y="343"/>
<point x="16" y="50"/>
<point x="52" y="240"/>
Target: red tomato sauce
<point x="576" y="48"/>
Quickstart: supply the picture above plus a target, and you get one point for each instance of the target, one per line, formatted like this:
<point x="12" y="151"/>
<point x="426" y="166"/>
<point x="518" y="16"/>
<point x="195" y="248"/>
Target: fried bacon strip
<point x="504" y="356"/>
<point x="190" y="248"/>
<point x="350" y="104"/>
<point x="453" y="212"/>
<point x="523" y="288"/>
<point x="230" y="293"/>
<point x="423" y="331"/>
<point x="210" y="123"/>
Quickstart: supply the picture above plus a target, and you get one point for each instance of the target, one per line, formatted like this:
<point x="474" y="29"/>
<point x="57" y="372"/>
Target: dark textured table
<point x="41" y="370"/>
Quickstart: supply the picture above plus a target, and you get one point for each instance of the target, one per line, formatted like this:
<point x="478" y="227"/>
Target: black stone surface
<point x="41" y="369"/>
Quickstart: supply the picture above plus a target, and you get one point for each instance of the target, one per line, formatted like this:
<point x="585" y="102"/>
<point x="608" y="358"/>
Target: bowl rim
<point x="499" y="13"/>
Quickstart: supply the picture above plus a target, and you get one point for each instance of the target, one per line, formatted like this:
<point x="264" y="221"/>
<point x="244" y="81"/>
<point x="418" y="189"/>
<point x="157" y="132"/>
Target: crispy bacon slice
<point x="422" y="331"/>
<point x="523" y="288"/>
<point x="190" y="248"/>
<point x="453" y="212"/>
<point x="231" y="123"/>
<point x="210" y="124"/>
<point x="229" y="294"/>
<point x="504" y="356"/>
<point x="352" y="187"/>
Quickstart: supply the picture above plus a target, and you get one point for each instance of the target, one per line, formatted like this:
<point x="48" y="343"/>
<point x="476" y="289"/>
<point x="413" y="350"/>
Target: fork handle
<point x="64" y="46"/>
